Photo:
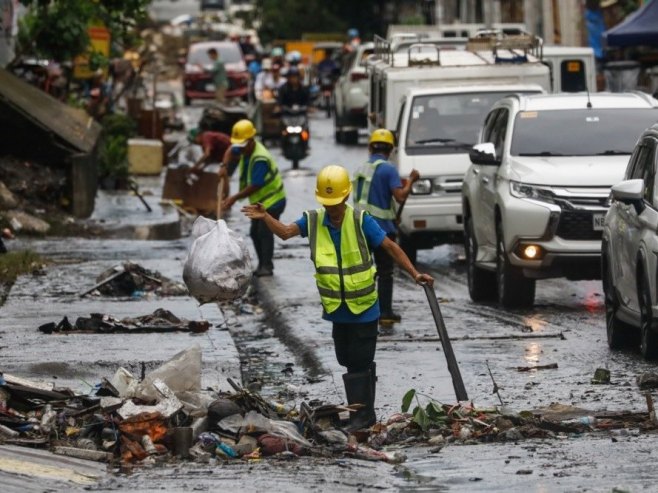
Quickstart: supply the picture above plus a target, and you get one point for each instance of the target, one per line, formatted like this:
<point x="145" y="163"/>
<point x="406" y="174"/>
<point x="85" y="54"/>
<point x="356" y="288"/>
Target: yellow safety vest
<point x="351" y="280"/>
<point x="272" y="191"/>
<point x="365" y="173"/>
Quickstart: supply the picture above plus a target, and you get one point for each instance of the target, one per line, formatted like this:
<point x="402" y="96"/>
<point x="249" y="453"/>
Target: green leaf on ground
<point x="406" y="400"/>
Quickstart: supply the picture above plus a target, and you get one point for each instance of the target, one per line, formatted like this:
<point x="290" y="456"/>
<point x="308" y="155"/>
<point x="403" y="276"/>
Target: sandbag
<point x="218" y="266"/>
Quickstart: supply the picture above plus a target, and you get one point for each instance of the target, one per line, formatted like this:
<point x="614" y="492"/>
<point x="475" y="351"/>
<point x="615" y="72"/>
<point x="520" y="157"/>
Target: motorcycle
<point x="294" y="134"/>
<point x="327" y="82"/>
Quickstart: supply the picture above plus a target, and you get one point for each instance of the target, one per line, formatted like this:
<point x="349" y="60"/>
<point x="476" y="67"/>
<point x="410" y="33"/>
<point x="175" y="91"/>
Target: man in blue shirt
<point x="378" y="184"/>
<point x="341" y="241"/>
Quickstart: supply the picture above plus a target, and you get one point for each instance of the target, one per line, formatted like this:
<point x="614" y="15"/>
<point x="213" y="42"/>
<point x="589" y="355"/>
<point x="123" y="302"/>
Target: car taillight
<point x="357" y="76"/>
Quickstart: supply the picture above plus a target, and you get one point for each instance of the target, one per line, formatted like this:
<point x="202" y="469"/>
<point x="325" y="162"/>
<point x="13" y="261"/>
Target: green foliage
<point x="13" y="264"/>
<point x="113" y="153"/>
<point x="57" y="29"/>
<point x="428" y="416"/>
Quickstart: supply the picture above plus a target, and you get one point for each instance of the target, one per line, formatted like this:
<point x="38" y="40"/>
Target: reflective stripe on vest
<point x="272" y="190"/>
<point x="366" y="173"/>
<point x="353" y="279"/>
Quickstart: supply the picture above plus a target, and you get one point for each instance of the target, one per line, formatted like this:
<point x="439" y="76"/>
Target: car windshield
<point x="580" y="132"/>
<point x="228" y="53"/>
<point x="441" y="123"/>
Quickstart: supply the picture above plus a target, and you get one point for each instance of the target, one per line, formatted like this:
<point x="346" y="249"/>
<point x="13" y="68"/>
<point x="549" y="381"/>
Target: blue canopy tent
<point x="638" y="29"/>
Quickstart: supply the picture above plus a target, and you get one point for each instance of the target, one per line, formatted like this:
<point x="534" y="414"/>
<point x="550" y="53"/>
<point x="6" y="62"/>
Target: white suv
<point x="535" y="197"/>
<point x="351" y="96"/>
<point x="629" y="255"/>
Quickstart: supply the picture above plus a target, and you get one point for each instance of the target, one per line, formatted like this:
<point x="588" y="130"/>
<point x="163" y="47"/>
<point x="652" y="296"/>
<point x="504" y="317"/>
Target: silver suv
<point x="630" y="250"/>
<point x="535" y="197"/>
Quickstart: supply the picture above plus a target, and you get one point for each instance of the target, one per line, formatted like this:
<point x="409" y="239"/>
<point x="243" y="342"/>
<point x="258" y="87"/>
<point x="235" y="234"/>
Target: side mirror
<point x="484" y="154"/>
<point x="630" y="192"/>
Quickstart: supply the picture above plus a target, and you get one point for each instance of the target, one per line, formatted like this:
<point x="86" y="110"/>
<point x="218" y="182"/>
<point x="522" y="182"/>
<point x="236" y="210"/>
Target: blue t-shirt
<point x="384" y="181"/>
<point x="374" y="237"/>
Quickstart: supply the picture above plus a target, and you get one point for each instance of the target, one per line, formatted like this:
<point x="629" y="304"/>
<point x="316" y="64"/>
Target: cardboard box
<point x="200" y="195"/>
<point x="145" y="156"/>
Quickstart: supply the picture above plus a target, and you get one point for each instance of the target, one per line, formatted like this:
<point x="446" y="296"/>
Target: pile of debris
<point x="166" y="417"/>
<point x="132" y="280"/>
<point x="159" y="321"/>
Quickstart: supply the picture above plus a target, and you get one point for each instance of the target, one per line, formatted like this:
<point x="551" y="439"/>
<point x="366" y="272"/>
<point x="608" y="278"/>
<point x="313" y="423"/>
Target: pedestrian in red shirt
<point x="215" y="145"/>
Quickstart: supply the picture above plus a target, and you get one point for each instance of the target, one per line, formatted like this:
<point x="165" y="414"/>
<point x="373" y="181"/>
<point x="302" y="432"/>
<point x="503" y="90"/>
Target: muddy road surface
<point x="277" y="343"/>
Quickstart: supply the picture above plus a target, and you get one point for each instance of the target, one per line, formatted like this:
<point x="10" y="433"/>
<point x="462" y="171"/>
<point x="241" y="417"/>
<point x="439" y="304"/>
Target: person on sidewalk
<point x="215" y="146"/>
<point x="377" y="184"/>
<point x="261" y="182"/>
<point x="341" y="241"/>
<point x="219" y="77"/>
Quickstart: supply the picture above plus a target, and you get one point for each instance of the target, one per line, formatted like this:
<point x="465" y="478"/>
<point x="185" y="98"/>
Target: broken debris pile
<point x="131" y="279"/>
<point x="167" y="417"/>
<point x="159" y="321"/>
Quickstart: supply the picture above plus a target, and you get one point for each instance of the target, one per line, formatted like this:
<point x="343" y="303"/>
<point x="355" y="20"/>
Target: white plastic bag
<point x="218" y="267"/>
<point x="180" y="374"/>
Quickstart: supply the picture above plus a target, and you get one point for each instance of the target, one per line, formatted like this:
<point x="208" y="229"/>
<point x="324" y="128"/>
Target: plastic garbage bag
<point x="181" y="373"/>
<point x="218" y="266"/>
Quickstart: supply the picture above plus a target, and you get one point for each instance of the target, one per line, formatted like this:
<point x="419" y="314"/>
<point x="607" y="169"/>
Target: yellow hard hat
<point x="243" y="130"/>
<point x="381" y="135"/>
<point x="333" y="185"/>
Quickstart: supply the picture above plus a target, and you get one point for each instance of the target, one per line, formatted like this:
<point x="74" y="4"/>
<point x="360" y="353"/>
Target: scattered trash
<point x="130" y="279"/>
<point x="601" y="376"/>
<point x="218" y="267"/>
<point x="159" y="321"/>
<point x="552" y="366"/>
<point x="167" y="417"/>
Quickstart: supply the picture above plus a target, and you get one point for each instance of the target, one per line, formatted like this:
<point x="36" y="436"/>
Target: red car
<point x="197" y="80"/>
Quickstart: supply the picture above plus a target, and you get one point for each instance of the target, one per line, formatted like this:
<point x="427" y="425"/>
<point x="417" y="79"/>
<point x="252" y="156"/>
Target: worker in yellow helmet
<point x="261" y="182"/>
<point x="377" y="188"/>
<point x="342" y="240"/>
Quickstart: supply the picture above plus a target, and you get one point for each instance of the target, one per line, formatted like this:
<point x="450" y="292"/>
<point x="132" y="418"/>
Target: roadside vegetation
<point x="14" y="264"/>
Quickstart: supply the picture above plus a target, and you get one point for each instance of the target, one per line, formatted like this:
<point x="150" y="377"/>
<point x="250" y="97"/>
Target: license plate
<point x="294" y="139"/>
<point x="597" y="221"/>
<point x="210" y="87"/>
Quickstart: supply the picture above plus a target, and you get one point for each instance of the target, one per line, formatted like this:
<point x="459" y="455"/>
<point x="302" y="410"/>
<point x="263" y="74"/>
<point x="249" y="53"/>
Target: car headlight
<point x="525" y="191"/>
<point x="422" y="187"/>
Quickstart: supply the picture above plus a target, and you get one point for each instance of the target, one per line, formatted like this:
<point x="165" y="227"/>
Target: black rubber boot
<point x="385" y="292"/>
<point x="359" y="388"/>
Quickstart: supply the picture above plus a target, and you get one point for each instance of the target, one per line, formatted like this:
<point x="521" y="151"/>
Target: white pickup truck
<point x="436" y="101"/>
<point x="435" y="132"/>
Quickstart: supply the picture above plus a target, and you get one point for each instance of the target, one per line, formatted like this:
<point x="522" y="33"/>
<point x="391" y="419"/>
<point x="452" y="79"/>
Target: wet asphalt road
<point x="566" y="327"/>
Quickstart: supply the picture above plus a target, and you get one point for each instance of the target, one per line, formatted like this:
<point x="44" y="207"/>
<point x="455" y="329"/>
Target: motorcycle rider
<point x="293" y="92"/>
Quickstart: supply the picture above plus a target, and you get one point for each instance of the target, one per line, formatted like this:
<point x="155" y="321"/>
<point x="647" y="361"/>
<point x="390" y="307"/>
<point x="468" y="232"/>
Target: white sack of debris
<point x="218" y="266"/>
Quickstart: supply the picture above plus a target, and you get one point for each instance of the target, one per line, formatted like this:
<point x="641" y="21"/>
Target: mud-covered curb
<point x="284" y="328"/>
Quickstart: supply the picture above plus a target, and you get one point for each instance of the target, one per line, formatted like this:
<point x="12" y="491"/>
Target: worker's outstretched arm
<point x="401" y="194"/>
<point x="283" y="231"/>
<point x="394" y="250"/>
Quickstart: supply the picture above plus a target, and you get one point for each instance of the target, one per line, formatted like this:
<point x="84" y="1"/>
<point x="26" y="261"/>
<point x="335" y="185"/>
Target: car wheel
<point x="649" y="336"/>
<point x="408" y="247"/>
<point x="514" y="290"/>
<point x="619" y="334"/>
<point x="481" y="283"/>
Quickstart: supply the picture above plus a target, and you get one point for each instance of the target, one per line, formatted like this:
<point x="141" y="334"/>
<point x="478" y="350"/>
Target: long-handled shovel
<point x="453" y="367"/>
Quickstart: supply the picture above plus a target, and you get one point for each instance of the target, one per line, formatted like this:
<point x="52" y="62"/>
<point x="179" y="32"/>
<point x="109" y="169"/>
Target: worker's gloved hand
<point x="414" y="176"/>
<point x="255" y="211"/>
<point x="424" y="279"/>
